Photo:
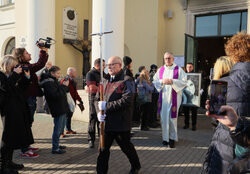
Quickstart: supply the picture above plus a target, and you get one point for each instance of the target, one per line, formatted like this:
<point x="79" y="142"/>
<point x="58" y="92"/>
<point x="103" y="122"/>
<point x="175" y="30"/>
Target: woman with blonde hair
<point x="15" y="113"/>
<point x="222" y="67"/>
<point x="221" y="151"/>
<point x="145" y="89"/>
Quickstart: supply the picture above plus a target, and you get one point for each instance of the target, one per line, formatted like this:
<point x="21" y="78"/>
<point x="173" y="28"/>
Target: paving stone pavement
<point x="186" y="158"/>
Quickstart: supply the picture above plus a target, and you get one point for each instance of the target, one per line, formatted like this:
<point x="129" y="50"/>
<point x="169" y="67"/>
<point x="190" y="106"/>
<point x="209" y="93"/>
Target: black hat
<point x="126" y="60"/>
<point x="153" y="66"/>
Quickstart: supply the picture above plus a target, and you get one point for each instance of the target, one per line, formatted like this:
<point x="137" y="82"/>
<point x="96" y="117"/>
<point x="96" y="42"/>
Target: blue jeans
<point x="58" y="127"/>
<point x="32" y="106"/>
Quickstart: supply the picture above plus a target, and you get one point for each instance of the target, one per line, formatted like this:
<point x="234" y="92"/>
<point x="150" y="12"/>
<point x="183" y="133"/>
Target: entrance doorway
<point x="209" y="49"/>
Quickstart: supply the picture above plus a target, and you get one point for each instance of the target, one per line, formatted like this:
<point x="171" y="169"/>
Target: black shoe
<point x="165" y="143"/>
<point x="185" y="127"/>
<point x="171" y="143"/>
<point x="62" y="147"/>
<point x="154" y="125"/>
<point x="12" y="165"/>
<point x="194" y="128"/>
<point x="144" y="128"/>
<point x="134" y="171"/>
<point x="91" y="144"/>
<point x="8" y="171"/>
<point x="59" y="151"/>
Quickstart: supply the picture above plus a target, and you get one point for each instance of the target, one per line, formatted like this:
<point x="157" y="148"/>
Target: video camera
<point x="47" y="42"/>
<point x="24" y="68"/>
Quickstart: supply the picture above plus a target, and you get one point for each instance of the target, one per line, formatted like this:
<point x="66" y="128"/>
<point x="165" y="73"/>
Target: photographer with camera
<point x="71" y="75"/>
<point x="15" y="113"/>
<point x="33" y="90"/>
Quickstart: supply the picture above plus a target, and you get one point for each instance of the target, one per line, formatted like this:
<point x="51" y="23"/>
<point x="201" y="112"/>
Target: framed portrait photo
<point x="191" y="94"/>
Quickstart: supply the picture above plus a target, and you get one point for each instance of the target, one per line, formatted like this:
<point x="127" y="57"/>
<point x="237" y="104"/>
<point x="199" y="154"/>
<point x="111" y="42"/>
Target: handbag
<point x="70" y="102"/>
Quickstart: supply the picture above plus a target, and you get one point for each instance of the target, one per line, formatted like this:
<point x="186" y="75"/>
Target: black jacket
<point x="119" y="97"/>
<point x="127" y="72"/>
<point x="221" y="150"/>
<point x="55" y="95"/>
<point x="241" y="136"/>
<point x="220" y="153"/>
<point x="238" y="92"/>
<point x="15" y="112"/>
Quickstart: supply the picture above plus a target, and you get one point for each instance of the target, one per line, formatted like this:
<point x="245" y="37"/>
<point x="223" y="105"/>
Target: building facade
<point x="142" y="29"/>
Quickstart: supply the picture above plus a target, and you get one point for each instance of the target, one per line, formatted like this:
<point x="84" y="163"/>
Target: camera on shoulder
<point x="47" y="42"/>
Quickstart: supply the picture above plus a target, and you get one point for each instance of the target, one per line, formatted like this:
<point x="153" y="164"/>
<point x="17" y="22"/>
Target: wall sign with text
<point x="70" y="23"/>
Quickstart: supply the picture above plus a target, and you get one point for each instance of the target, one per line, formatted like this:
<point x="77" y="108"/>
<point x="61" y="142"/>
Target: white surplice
<point x="168" y="124"/>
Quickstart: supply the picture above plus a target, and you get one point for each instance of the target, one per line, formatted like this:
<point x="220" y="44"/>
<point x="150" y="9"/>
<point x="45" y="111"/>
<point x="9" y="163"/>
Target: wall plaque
<point x="69" y="23"/>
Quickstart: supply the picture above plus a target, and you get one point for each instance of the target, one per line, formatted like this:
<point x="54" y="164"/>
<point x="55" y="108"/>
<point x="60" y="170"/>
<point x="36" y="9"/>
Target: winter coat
<point x="33" y="90"/>
<point x="15" y="112"/>
<point x="241" y="136"/>
<point x="144" y="88"/>
<point x="55" y="95"/>
<point x="119" y="97"/>
<point x="127" y="72"/>
<point x="220" y="153"/>
<point x="73" y="90"/>
<point x="238" y="90"/>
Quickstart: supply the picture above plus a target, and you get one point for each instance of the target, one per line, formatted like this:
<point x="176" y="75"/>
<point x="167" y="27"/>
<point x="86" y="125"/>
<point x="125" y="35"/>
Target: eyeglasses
<point x="168" y="58"/>
<point x="113" y="64"/>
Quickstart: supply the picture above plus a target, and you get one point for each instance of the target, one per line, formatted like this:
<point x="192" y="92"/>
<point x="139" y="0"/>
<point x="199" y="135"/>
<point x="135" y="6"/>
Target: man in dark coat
<point x="118" y="100"/>
<point x="55" y="95"/>
<point x="93" y="79"/>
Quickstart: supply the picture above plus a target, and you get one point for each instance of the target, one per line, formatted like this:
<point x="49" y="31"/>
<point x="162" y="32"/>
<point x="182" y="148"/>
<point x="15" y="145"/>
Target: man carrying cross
<point x="117" y="107"/>
<point x="169" y="80"/>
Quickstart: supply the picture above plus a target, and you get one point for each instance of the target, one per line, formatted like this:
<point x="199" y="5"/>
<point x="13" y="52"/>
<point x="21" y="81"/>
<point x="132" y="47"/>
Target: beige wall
<point x="141" y="32"/>
<point x="170" y="30"/>
<point x="66" y="55"/>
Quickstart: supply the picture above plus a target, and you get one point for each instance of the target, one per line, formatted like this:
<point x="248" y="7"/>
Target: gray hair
<point x="70" y="70"/>
<point x="169" y="53"/>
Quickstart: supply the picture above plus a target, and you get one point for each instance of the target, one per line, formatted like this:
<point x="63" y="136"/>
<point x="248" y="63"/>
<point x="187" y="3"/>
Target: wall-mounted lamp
<point x="168" y="14"/>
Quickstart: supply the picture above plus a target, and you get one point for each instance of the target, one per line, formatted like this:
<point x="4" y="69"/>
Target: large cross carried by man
<point x="100" y="34"/>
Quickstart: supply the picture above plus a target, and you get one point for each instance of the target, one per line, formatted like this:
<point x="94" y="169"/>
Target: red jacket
<point x="73" y="91"/>
<point x="33" y="90"/>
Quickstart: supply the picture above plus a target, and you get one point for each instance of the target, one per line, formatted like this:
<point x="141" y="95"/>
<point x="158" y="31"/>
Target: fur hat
<point x="126" y="60"/>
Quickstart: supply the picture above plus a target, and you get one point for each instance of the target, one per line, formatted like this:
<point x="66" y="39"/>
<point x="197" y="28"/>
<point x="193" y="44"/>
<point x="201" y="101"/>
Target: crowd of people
<point x="146" y="98"/>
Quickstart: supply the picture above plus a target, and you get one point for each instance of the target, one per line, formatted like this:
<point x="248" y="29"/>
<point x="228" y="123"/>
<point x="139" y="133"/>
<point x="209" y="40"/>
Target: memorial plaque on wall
<point x="69" y="23"/>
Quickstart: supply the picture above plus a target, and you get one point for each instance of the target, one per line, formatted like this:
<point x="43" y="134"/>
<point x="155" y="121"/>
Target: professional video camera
<point x="47" y="42"/>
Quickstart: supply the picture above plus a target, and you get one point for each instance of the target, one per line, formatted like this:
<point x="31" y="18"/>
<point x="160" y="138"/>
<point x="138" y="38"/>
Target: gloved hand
<point x="101" y="117"/>
<point x="102" y="105"/>
<point x="81" y="106"/>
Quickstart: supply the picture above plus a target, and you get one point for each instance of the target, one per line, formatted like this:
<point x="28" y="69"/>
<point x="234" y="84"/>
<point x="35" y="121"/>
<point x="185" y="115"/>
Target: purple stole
<point x="174" y="94"/>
